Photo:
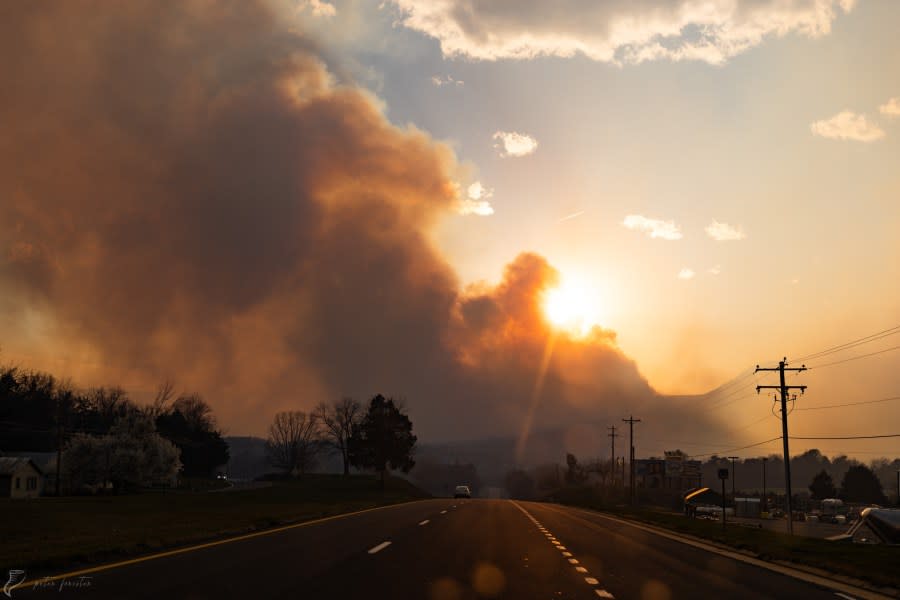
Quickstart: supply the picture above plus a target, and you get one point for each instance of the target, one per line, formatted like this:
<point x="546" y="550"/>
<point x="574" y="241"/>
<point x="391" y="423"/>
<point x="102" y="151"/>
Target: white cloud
<point x="510" y="143"/>
<point x="657" y="228"/>
<point x="686" y="273"/>
<point x="891" y="108"/>
<point x="617" y="31"/>
<point x="476" y="202"/>
<point x="723" y="232"/>
<point x="445" y="80"/>
<point x="847" y="125"/>
<point x="319" y="8"/>
<point x="716" y="270"/>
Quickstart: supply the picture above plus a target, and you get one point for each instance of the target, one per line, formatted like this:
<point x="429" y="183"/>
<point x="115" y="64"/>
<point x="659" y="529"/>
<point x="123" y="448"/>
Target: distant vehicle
<point x="462" y="491"/>
<point x="222" y="477"/>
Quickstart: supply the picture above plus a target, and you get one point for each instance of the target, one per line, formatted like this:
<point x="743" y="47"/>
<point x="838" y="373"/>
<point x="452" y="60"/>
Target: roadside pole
<point x="723" y="475"/>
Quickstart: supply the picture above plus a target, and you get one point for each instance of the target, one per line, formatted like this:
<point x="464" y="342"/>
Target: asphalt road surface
<point x="444" y="550"/>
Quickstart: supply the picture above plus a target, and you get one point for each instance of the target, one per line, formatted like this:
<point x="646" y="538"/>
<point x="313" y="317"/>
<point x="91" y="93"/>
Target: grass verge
<point x="875" y="564"/>
<point x="55" y="533"/>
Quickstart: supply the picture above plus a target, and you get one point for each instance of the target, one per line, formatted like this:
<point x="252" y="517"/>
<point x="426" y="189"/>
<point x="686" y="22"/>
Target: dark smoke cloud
<point x="185" y="190"/>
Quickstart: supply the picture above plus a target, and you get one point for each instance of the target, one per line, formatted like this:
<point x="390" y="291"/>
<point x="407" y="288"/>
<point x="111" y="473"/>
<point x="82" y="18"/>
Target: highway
<point x="444" y="550"/>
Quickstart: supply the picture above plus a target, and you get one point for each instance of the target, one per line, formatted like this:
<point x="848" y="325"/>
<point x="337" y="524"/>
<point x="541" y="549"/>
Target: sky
<point x="285" y="202"/>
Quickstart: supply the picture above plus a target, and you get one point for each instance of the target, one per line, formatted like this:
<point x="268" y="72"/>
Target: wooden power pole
<point x="785" y="390"/>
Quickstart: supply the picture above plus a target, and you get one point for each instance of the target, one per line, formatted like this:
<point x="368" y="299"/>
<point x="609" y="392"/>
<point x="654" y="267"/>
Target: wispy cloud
<point x="847" y="125"/>
<point x="657" y="228"/>
<point x="476" y="201"/>
<point x="723" y="232"/>
<point x="891" y="108"/>
<point x="571" y="216"/>
<point x="716" y="270"/>
<point x="686" y="273"/>
<point x="446" y="80"/>
<point x="616" y="31"/>
<point x="511" y="143"/>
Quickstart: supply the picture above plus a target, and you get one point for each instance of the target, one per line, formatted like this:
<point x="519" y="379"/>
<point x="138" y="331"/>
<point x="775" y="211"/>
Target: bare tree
<point x="196" y="412"/>
<point x="164" y="394"/>
<point x="337" y="419"/>
<point x="292" y="445"/>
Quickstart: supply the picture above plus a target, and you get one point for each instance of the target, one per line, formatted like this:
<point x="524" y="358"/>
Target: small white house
<point x="20" y="478"/>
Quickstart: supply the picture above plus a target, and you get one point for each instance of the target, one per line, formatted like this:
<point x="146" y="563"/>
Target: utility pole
<point x="631" y="421"/>
<point x="733" y="479"/>
<point x="785" y="389"/>
<point x="59" y="440"/>
<point x="765" y="501"/>
<point x="613" y="463"/>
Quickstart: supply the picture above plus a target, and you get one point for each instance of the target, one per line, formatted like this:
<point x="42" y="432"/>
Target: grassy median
<point x="876" y="564"/>
<point x="50" y="533"/>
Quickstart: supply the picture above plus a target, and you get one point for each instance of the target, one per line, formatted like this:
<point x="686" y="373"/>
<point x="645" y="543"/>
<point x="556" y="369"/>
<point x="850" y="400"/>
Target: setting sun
<point x="573" y="306"/>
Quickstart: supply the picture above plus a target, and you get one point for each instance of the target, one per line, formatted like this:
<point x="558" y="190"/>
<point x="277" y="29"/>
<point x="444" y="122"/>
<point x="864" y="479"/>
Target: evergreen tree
<point x="382" y="438"/>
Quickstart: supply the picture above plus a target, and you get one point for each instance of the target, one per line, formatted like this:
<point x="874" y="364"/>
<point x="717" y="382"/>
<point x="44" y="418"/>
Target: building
<point x="20" y="478"/>
<point x="44" y="461"/>
<point x="674" y="472"/>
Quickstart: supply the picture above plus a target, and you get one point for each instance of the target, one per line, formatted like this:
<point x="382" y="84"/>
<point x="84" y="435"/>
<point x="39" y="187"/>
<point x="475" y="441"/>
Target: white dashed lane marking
<point x="601" y="593"/>
<point x="379" y="547"/>
<point x="425" y="522"/>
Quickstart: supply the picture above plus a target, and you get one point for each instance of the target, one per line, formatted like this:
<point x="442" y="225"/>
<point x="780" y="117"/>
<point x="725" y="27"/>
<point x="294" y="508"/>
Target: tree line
<point x="377" y="438"/>
<point x="103" y="435"/>
<point x="859" y="483"/>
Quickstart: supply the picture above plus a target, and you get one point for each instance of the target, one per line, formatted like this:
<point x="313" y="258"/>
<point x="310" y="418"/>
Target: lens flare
<point x="573" y="306"/>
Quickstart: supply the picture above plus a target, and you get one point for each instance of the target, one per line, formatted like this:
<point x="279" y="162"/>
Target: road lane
<point x="264" y="566"/>
<point x="633" y="563"/>
<point x="481" y="549"/>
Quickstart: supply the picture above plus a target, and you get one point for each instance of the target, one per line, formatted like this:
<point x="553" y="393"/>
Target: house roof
<point x="9" y="464"/>
<point x="45" y="461"/>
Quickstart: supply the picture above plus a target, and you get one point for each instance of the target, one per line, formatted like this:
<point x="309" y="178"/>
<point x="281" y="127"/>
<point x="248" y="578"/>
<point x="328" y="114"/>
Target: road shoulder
<point x="842" y="584"/>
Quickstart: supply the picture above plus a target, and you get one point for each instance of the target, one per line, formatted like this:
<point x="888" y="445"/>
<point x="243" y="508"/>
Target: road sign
<point x="723" y="473"/>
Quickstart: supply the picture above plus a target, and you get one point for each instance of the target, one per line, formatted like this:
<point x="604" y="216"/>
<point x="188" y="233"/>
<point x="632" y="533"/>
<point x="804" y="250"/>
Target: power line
<point x="747" y="426"/>
<point x="736" y="449"/>
<point x="730" y="402"/>
<point x="735" y="380"/>
<point x="847" y="345"/>
<point x="837" y="362"/>
<point x="849" y="437"/>
<point x="849" y="404"/>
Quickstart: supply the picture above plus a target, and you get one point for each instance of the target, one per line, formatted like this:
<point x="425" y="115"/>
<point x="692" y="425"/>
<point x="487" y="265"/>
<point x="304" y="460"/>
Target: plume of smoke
<point x="186" y="192"/>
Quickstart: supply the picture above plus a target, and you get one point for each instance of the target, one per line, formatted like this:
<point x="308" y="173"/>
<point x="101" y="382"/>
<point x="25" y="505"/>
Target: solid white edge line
<point x="824" y="582"/>
<point x="212" y="544"/>
<point x="379" y="547"/>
